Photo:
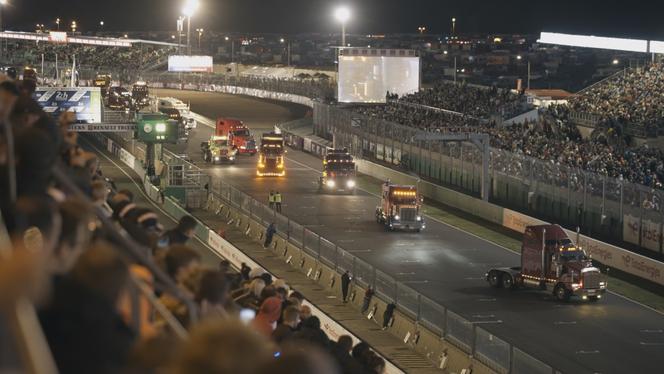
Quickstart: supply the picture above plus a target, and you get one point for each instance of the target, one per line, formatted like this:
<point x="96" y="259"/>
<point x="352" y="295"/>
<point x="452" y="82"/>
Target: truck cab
<point x="103" y="81"/>
<point x="119" y="98"/>
<point x="239" y="135"/>
<point x="551" y="261"/>
<point x="173" y="103"/>
<point x="271" y="161"/>
<point x="338" y="172"/>
<point x="400" y="208"/>
<point x="141" y="94"/>
<point x="217" y="150"/>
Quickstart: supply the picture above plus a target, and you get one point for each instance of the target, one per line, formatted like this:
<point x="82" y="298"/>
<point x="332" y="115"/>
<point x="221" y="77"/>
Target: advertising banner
<point x="650" y="234"/>
<point x="197" y="64"/>
<point x="631" y="229"/>
<point x="84" y="101"/>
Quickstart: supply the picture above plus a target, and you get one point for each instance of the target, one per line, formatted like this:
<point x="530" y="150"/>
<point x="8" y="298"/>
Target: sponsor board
<point x="631" y="229"/>
<point x="102" y="127"/>
<point x="650" y="234"/>
<point x="127" y="158"/>
<point x="199" y="64"/>
<point x="84" y="101"/>
<point x="229" y="252"/>
<point x="518" y="221"/>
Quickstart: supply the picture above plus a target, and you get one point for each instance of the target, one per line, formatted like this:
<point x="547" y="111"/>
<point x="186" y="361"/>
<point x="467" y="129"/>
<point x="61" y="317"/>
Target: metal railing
<point x="604" y="207"/>
<point x="489" y="349"/>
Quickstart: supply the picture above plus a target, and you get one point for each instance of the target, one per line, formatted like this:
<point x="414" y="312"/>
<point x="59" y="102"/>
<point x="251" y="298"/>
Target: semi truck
<point x="338" y="172"/>
<point x="400" y="208"/>
<point x="551" y="261"/>
<point x="103" y="81"/>
<point x="141" y="94"/>
<point x="239" y="135"/>
<point x="218" y="148"/>
<point x="271" y="161"/>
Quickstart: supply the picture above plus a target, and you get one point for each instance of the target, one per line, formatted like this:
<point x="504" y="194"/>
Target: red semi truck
<point x="238" y="134"/>
<point x="550" y="261"/>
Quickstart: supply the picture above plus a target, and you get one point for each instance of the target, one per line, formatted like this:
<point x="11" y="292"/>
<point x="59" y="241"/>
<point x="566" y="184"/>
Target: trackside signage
<point x="84" y="101"/>
<point x="102" y="127"/>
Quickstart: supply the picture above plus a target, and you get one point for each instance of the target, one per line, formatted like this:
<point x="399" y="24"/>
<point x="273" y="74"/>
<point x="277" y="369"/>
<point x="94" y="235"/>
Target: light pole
<point x="453" y="25"/>
<point x="2" y="4"/>
<point x="101" y="25"/>
<point x="232" y="47"/>
<point x="188" y="10"/>
<point x="519" y="58"/>
<point x="288" y="49"/>
<point x="342" y="14"/>
<point x="200" y="32"/>
<point x="180" y="23"/>
<point x="73" y="26"/>
<point x="421" y="29"/>
<point x="57" y="22"/>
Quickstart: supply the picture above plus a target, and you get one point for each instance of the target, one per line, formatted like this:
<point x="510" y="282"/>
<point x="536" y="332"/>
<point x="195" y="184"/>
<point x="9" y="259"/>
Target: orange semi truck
<point x="238" y="134"/>
<point x="400" y="208"/>
<point x="550" y="261"/>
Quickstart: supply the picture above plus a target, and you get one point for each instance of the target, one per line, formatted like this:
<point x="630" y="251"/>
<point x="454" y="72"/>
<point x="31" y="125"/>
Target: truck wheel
<point x="562" y="293"/>
<point x="494" y="279"/>
<point x="507" y="281"/>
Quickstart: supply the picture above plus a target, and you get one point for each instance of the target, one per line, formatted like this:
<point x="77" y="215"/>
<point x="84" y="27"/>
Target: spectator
<point x="212" y="295"/>
<point x="368" y="294"/>
<point x="224" y="347"/>
<point x="269" y="234"/>
<point x="78" y="223"/>
<point x="345" y="284"/>
<point x="82" y="316"/>
<point x="387" y="314"/>
<point x="288" y="326"/>
<point x="180" y="261"/>
<point x="310" y="332"/>
<point x="268" y="314"/>
<point x="183" y="231"/>
<point x="100" y="197"/>
<point x="301" y="360"/>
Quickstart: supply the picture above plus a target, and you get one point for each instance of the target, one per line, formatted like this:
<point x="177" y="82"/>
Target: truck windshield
<point x="221" y="142"/>
<point x="576" y="255"/>
<point x="340" y="166"/>
<point x="244" y="133"/>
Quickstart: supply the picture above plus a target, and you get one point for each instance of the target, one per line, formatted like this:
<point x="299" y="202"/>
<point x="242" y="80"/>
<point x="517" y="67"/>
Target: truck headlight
<point x="418" y="218"/>
<point x="602" y="284"/>
<point x="350" y="183"/>
<point x="330" y="184"/>
<point x="396" y="218"/>
<point x="261" y="165"/>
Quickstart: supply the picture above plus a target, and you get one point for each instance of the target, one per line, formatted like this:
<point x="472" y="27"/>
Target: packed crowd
<point x="95" y="57"/>
<point x="480" y="102"/>
<point x="553" y="139"/>
<point x="58" y="255"/>
<point x="631" y="98"/>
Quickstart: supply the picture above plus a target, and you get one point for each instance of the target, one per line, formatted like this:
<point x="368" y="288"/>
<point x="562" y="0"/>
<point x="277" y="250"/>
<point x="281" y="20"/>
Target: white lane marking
<point x="467" y="232"/>
<point x="408" y="273"/>
<point x="474" y="278"/>
<point x="651" y="331"/>
<point x="486" y="322"/>
<point x="360" y="251"/>
<point x="651" y="344"/>
<point x="483" y="316"/>
<point x="345" y="240"/>
<point x="582" y="352"/>
<point x="486" y="300"/>
<point x="564" y="323"/>
<point x="415" y="282"/>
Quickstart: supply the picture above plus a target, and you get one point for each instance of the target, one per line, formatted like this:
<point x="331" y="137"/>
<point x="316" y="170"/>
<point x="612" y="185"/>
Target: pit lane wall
<point x="235" y="90"/>
<point x="604" y="253"/>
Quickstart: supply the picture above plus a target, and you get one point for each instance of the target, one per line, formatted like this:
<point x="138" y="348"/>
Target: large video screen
<point x="367" y="79"/>
<point x="84" y="101"/>
<point x="198" y="64"/>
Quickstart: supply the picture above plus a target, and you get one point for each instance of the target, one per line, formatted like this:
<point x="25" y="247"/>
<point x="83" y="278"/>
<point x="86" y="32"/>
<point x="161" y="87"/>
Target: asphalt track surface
<point x="445" y="264"/>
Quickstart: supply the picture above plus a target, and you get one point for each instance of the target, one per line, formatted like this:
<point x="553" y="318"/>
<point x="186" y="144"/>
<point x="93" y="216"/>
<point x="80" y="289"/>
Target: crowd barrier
<point x="218" y="244"/>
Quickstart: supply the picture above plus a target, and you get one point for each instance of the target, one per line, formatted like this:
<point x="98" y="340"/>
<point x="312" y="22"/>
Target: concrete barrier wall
<point x="606" y="254"/>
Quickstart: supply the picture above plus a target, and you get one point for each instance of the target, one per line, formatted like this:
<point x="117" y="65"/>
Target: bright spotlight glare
<point x="342" y="14"/>
<point x="190" y="7"/>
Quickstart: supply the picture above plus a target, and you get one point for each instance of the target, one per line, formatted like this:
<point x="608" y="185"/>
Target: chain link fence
<point x="607" y="208"/>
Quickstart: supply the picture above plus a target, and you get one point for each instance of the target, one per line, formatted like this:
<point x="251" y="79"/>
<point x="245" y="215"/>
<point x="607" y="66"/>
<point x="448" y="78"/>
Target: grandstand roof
<point x="63" y="37"/>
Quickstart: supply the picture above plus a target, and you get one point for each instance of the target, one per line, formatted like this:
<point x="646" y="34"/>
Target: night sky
<point x="636" y="18"/>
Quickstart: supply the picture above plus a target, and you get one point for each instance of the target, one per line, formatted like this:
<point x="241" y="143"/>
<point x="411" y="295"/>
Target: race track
<point x="443" y="263"/>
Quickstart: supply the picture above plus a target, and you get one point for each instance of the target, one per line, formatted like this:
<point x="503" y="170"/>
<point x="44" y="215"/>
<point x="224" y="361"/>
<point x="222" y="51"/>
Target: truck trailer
<point x="551" y="261"/>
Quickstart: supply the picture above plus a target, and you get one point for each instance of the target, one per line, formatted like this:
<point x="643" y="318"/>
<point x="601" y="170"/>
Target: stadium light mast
<point x="288" y="50"/>
<point x="453" y="26"/>
<point x="188" y="10"/>
<point x="2" y="4"/>
<point x="200" y="32"/>
<point x="57" y="22"/>
<point x="342" y="14"/>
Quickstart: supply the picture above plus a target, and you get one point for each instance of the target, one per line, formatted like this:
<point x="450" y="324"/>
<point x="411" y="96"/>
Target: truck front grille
<point x="591" y="279"/>
<point x="408" y="214"/>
